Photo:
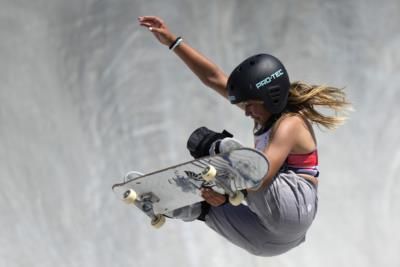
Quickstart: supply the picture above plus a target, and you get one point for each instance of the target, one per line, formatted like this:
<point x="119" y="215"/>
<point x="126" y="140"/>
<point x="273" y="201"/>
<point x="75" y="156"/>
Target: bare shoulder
<point x="289" y="124"/>
<point x="298" y="131"/>
<point x="285" y="130"/>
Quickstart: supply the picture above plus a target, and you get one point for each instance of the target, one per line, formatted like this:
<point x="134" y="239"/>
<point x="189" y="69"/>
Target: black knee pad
<point x="200" y="141"/>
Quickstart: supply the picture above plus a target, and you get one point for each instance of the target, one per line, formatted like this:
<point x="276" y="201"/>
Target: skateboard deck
<point x="168" y="189"/>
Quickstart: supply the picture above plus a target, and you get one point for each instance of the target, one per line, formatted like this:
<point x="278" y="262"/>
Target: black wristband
<point x="174" y="43"/>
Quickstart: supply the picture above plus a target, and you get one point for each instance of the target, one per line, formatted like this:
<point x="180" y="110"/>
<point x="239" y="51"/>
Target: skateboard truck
<point x="145" y="203"/>
<point x="209" y="174"/>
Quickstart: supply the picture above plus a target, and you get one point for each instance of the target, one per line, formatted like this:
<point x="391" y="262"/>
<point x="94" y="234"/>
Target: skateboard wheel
<point x="130" y="196"/>
<point x="236" y="199"/>
<point x="158" y="221"/>
<point x="209" y="173"/>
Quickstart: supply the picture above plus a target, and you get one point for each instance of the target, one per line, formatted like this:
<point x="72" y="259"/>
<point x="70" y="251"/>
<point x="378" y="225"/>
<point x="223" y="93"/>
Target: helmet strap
<point x="259" y="129"/>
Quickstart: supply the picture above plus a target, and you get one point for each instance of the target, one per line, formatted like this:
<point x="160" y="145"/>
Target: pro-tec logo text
<point x="270" y="78"/>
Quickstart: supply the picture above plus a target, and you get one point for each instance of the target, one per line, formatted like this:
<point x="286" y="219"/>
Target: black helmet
<point x="260" y="77"/>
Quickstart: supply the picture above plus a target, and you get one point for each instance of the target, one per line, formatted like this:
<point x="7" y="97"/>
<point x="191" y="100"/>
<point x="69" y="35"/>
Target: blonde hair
<point x="304" y="99"/>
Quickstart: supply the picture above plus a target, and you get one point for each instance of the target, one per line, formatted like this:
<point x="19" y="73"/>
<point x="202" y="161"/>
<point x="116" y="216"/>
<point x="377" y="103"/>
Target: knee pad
<point x="200" y="141"/>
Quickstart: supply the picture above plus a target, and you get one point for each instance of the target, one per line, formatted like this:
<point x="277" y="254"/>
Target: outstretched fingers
<point x="154" y="24"/>
<point x="158" y="28"/>
<point x="151" y="21"/>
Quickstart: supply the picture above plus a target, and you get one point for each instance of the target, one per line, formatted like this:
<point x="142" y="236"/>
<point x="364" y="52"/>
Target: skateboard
<point x="161" y="192"/>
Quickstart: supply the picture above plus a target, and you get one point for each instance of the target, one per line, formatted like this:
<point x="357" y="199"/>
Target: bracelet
<point x="176" y="43"/>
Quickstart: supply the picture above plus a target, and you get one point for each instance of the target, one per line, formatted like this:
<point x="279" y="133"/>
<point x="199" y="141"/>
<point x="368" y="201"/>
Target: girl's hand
<point x="213" y="198"/>
<point x="160" y="30"/>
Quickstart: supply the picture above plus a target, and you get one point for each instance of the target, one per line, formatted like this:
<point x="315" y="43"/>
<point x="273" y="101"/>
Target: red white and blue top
<point x="298" y="163"/>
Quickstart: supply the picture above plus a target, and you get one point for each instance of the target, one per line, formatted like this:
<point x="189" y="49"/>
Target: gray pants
<point x="275" y="220"/>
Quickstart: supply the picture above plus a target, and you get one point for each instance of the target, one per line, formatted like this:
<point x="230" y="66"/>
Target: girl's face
<point x="256" y="110"/>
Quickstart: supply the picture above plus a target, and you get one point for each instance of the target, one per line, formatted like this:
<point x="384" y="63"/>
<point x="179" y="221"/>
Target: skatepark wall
<point x="87" y="95"/>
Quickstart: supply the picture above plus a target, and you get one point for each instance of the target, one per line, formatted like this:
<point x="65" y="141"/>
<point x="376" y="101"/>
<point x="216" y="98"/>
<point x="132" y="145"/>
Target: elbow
<point x="208" y="81"/>
<point x="216" y="80"/>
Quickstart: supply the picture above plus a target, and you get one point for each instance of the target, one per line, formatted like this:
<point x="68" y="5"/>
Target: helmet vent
<point x="275" y="94"/>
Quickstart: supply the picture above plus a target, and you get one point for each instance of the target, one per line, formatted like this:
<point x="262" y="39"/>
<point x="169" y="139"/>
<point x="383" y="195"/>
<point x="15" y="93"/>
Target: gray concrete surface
<point x="86" y="95"/>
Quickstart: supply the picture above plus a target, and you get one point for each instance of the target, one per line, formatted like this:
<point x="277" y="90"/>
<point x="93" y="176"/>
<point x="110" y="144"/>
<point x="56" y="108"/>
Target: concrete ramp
<point x="86" y="95"/>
